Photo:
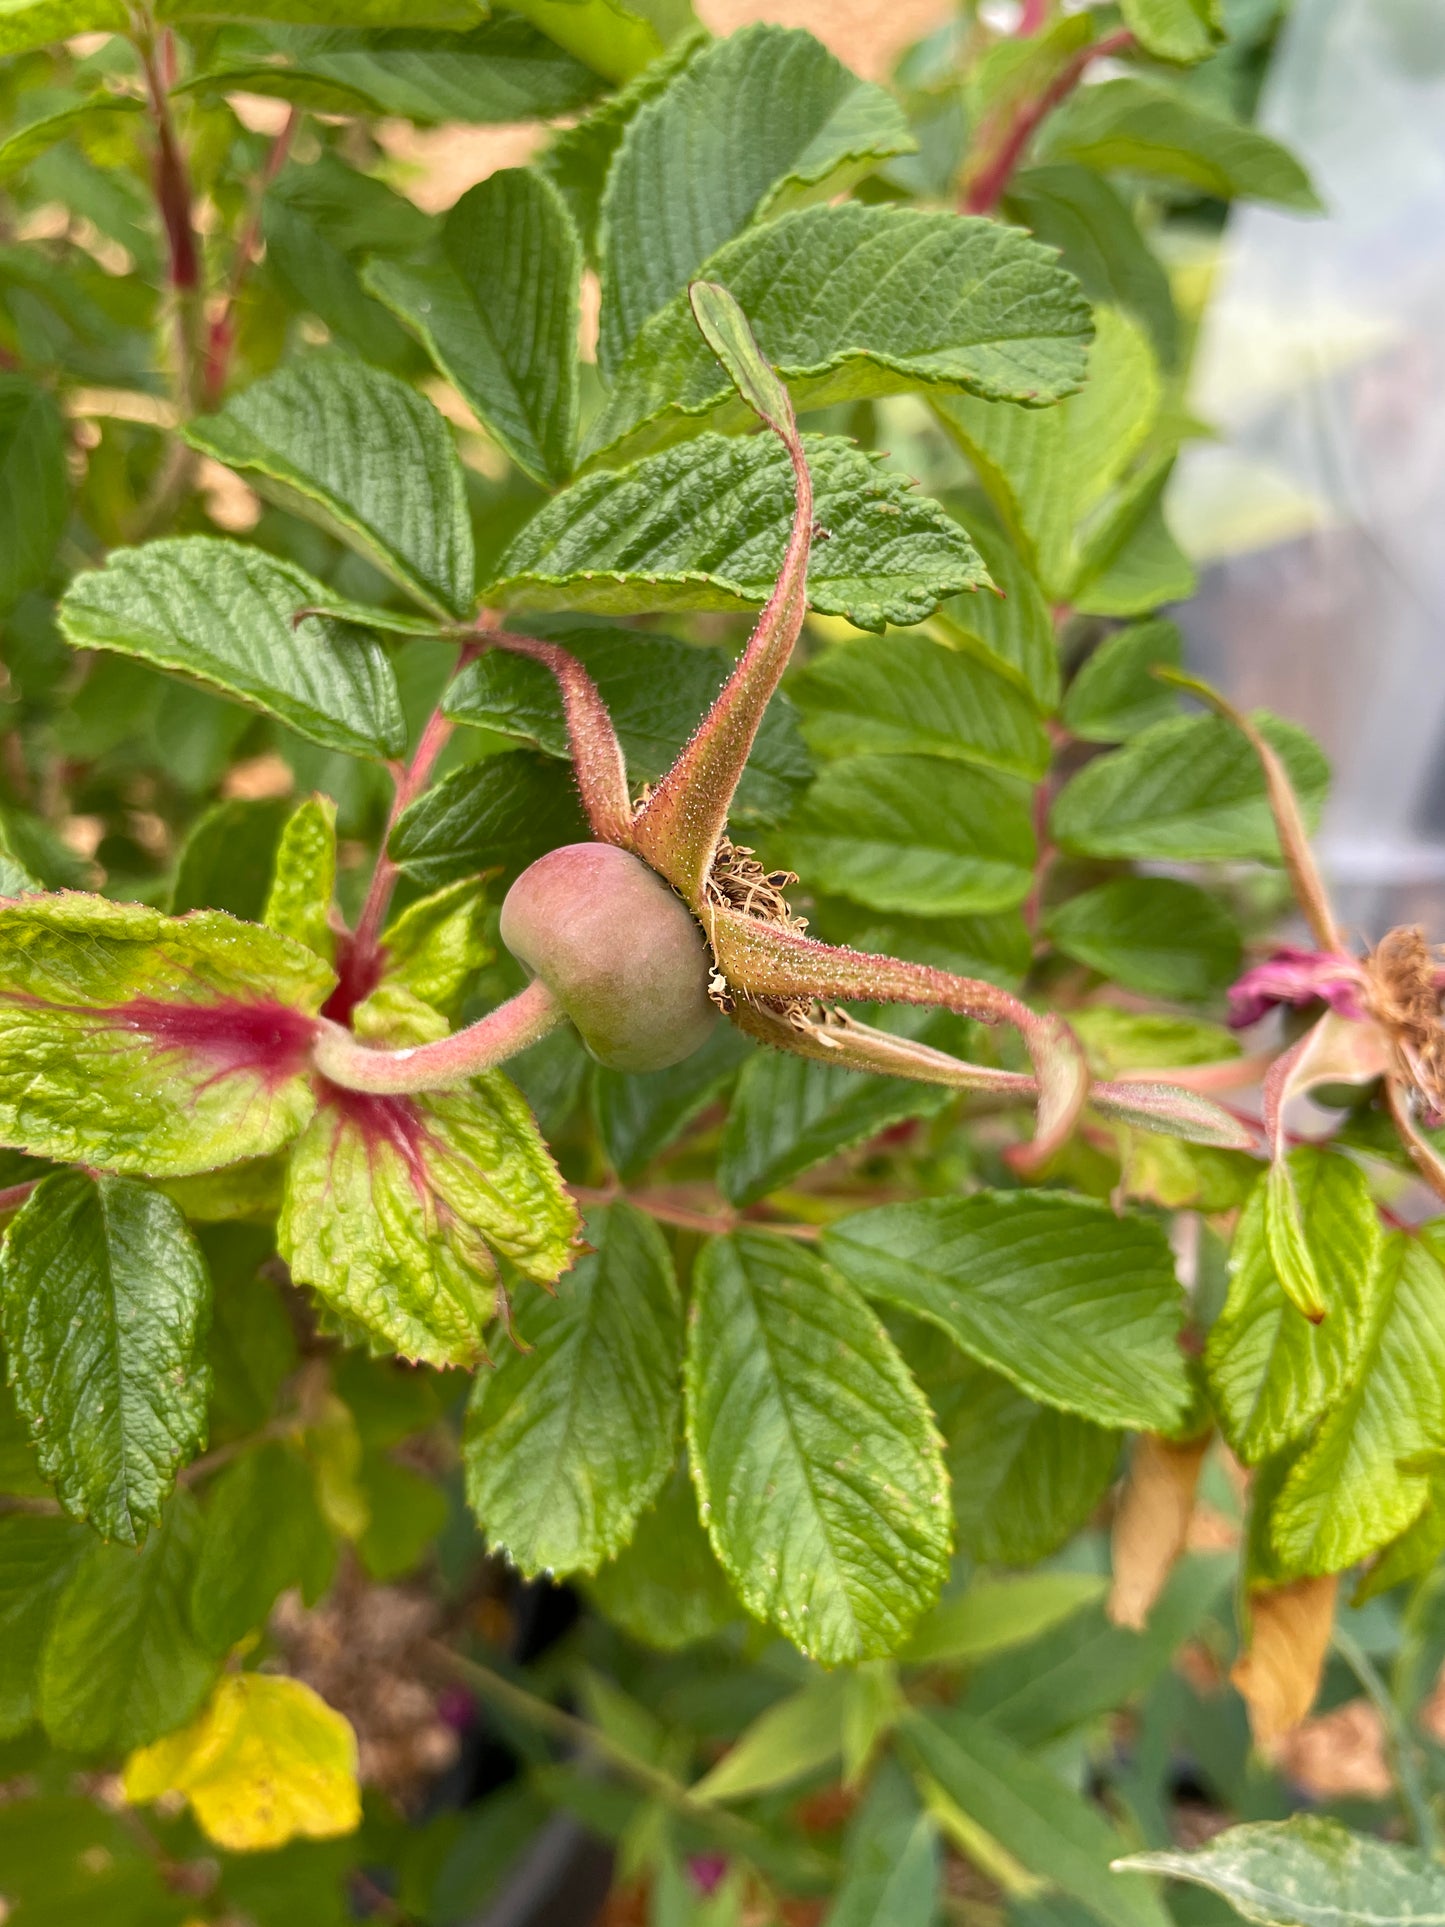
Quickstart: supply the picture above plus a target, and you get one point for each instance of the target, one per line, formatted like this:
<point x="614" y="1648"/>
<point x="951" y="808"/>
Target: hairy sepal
<point x="682" y="822"/>
<point x="137" y="1042"/>
<point x="766" y="960"/>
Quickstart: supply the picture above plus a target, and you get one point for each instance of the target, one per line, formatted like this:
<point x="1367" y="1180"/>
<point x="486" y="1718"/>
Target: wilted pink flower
<point x="1297" y="977"/>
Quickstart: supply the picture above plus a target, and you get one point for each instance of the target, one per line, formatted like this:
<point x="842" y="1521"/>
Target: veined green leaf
<point x="914" y="834"/>
<point x="497" y="312"/>
<point x="1115" y="695"/>
<point x="37" y="1557"/>
<point x="1148" y="129"/>
<point x="1051" y="473"/>
<point x="811" y="127"/>
<point x="122" y="1664"/>
<point x="1012" y="629"/>
<point x="1131" y="562"/>
<point x="146" y="1043"/>
<point x="1308" y="1871"/>
<point x="1032" y="1815"/>
<point x="438" y="944"/>
<point x="580" y="158"/>
<point x="1191" y="789"/>
<point x="1364" y="1477"/>
<point x="1084" y="1667"/>
<point x="666" y="1587"/>
<point x="1154" y="934"/>
<point x="795" y="1737"/>
<point x="303" y="882"/>
<point x="229" y="856"/>
<point x="569" y="1441"/>
<point x="906" y="695"/>
<point x="788" y="1114"/>
<point x="1077" y="1307"/>
<point x="815" y="1457"/>
<point x="393" y="1206"/>
<point x="105" y="1300"/>
<point x="705" y="526"/>
<point x="656" y="690"/>
<point x="1181" y="30"/>
<point x="1079" y="212"/>
<point x="263" y="1531"/>
<point x="364" y="455"/>
<point x="499" y="71"/>
<point x="319" y="223"/>
<point x="500" y="813"/>
<point x="1025" y="1476"/>
<point x="34" y="486"/>
<point x="1271" y="1372"/>
<point x="992" y="1615"/>
<point x="225" y="614"/>
<point x="892" y="1865"/>
<point x="639" y="1114"/>
<point x="853" y="301"/>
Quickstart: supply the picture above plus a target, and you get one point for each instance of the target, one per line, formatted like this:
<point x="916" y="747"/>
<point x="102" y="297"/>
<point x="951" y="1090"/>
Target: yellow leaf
<point x="266" y="1761"/>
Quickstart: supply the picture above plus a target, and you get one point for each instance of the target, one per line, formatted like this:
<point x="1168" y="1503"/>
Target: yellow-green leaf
<point x="266" y="1762"/>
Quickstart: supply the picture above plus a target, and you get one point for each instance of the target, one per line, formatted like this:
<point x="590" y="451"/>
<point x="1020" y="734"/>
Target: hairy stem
<point x="988" y="181"/>
<point x="221" y="334"/>
<point x="172" y="182"/>
<point x="523" y="1020"/>
<point x="410" y="779"/>
<point x="597" y="760"/>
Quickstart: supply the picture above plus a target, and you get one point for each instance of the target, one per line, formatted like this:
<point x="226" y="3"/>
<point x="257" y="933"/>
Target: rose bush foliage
<point x="452" y="662"/>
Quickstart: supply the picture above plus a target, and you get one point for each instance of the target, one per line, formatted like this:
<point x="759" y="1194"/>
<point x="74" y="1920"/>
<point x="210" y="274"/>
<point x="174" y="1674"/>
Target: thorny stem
<point x="512" y="1027"/>
<point x="987" y="187"/>
<point x="221" y="334"/>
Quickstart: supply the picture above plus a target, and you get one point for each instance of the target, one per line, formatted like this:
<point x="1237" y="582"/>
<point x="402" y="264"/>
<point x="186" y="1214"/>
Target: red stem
<point x="221" y="335"/>
<point x="983" y="192"/>
<point x="12" y="1198"/>
<point x="1033" y="17"/>
<point x="358" y="963"/>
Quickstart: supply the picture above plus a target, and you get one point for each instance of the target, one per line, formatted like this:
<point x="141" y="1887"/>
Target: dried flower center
<point x="1403" y="989"/>
<point x="737" y="881"/>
